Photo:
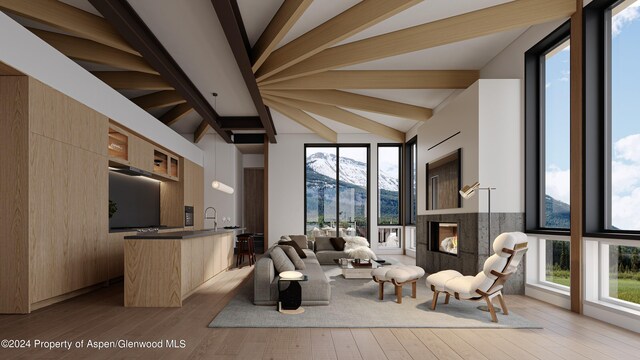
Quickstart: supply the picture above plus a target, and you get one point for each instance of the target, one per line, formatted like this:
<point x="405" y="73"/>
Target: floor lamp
<point x="468" y="192"/>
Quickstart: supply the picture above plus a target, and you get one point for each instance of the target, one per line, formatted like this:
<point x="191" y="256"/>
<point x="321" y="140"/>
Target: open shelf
<point x="160" y="163"/>
<point x="173" y="169"/>
<point x="118" y="145"/>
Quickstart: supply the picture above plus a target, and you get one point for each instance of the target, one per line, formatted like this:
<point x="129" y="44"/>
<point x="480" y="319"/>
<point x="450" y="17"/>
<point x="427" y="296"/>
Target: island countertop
<point x="178" y="235"/>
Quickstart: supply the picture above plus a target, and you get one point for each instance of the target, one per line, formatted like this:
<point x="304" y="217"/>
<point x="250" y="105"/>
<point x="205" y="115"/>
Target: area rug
<point x="355" y="304"/>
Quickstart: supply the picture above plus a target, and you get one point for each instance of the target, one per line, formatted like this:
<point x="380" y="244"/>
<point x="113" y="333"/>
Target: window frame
<point x="400" y="181"/>
<point x="598" y="123"/>
<point x="337" y="147"/>
<point x="408" y="159"/>
<point x="535" y="168"/>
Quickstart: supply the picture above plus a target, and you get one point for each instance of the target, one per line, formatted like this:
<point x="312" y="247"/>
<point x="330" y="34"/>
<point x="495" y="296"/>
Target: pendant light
<point x="220" y="186"/>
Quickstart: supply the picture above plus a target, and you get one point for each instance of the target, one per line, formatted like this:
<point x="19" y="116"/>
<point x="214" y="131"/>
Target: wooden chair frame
<point x="496" y="288"/>
<point x="398" y="287"/>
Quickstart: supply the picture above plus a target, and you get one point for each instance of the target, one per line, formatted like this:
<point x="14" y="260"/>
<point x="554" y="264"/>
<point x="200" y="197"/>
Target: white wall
<point x="25" y="52"/>
<point x="487" y="116"/>
<point x="501" y="145"/>
<point x="286" y="181"/>
<point x="222" y="162"/>
<point x="253" y="160"/>
<point x="460" y="115"/>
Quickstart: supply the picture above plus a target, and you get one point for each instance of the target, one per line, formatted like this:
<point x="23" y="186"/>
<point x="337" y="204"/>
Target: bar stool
<point x="245" y="246"/>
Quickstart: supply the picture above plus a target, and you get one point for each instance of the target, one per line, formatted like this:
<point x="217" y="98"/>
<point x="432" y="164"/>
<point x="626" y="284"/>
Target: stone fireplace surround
<point x="473" y="248"/>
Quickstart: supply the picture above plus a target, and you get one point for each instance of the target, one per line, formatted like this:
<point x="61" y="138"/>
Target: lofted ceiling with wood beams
<point x="377" y="67"/>
<point x="327" y="67"/>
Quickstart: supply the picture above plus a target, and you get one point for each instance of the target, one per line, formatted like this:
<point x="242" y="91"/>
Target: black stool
<point x="245" y="246"/>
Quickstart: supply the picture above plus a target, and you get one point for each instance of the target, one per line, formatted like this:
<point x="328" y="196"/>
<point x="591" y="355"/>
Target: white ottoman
<point x="398" y="275"/>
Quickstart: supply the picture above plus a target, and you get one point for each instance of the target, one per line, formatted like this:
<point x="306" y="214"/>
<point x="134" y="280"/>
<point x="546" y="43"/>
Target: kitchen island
<point x="163" y="269"/>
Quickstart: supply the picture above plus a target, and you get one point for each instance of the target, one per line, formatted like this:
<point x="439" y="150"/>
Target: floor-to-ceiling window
<point x="389" y="196"/>
<point x="611" y="151"/>
<point x="547" y="154"/>
<point x="337" y="190"/>
<point x="620" y="263"/>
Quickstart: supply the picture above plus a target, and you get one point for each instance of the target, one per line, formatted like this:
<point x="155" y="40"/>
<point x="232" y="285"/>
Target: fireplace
<point x="459" y="242"/>
<point x="443" y="237"/>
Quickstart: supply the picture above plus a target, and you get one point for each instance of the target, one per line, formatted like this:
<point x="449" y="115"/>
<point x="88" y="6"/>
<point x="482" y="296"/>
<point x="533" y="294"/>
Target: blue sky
<point x="625" y="121"/>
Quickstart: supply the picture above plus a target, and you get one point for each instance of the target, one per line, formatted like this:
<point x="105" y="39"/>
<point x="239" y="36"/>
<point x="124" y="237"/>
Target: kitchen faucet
<point x="214" y="218"/>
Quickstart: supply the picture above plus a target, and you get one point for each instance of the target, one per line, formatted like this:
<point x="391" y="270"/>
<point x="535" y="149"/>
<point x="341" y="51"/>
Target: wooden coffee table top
<point x="354" y="272"/>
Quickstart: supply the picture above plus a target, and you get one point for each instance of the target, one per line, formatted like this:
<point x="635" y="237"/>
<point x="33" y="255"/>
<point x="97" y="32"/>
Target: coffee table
<point x="353" y="272"/>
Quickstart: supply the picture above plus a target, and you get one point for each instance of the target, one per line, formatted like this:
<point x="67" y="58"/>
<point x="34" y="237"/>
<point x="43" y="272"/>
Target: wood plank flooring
<point x="100" y="316"/>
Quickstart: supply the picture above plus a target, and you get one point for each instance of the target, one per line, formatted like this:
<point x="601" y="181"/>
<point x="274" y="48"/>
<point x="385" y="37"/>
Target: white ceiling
<point x="192" y="34"/>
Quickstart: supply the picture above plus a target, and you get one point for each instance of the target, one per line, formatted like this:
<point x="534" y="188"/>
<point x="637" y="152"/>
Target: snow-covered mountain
<point x="351" y="171"/>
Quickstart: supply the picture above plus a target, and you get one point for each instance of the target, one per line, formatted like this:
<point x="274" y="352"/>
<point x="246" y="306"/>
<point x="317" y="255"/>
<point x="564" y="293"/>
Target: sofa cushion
<point x="293" y="256"/>
<point x="323" y="243"/>
<point x="295" y="247"/>
<point x="281" y="261"/>
<point x="301" y="240"/>
<point x="327" y="257"/>
<point x="338" y="243"/>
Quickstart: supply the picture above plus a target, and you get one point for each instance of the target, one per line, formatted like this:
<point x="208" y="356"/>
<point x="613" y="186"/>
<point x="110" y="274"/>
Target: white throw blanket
<point x="357" y="247"/>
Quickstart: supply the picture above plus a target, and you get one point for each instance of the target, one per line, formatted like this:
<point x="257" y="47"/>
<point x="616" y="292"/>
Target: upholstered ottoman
<point x="398" y="275"/>
<point x="438" y="280"/>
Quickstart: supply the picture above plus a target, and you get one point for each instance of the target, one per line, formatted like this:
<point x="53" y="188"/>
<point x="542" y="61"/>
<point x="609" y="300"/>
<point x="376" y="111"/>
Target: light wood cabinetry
<point x="140" y="153"/>
<point x="162" y="273"/>
<point x="194" y="192"/>
<point x="54" y="188"/>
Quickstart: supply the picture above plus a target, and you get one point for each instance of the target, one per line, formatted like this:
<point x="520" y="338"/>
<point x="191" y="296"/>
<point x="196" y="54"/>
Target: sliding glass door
<point x="337" y="190"/>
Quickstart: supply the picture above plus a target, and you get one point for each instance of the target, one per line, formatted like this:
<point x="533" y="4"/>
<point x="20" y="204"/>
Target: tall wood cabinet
<point x="53" y="195"/>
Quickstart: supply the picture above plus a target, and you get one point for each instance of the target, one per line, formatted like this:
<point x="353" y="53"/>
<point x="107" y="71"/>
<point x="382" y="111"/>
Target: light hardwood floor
<point x="100" y="316"/>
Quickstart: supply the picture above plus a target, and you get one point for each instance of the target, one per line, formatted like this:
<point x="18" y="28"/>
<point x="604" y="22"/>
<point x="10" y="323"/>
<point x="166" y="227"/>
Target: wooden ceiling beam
<point x="302" y="118"/>
<point x="91" y="51"/>
<point x="356" y="101"/>
<point x="229" y="16"/>
<point x="345" y="117"/>
<point x="129" y="25"/>
<point x="241" y="123"/>
<point x="132" y="80"/>
<point x="512" y="15"/>
<point x="353" y="20"/>
<point x="69" y="19"/>
<point x="379" y="79"/>
<point x="176" y="114"/>
<point x="159" y="99"/>
<point x="284" y="19"/>
<point x="200" y="131"/>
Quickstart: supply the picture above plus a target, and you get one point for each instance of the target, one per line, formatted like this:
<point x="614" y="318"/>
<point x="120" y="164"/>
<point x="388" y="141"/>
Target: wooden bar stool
<point x="245" y="246"/>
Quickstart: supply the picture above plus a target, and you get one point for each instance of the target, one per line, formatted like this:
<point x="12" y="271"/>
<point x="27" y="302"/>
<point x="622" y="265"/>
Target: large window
<point x="389" y="197"/>
<point x="624" y="133"/>
<point x="548" y="133"/>
<point x="411" y="178"/>
<point x="389" y="184"/>
<point x="337" y="190"/>
<point x="621" y="278"/>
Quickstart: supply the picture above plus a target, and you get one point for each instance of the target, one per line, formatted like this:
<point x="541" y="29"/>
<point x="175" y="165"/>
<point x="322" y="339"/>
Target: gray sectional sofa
<point x="325" y="252"/>
<point x="315" y="291"/>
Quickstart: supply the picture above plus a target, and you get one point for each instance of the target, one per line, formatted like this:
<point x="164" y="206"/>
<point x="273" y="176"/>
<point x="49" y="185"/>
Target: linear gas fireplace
<point x="443" y="237"/>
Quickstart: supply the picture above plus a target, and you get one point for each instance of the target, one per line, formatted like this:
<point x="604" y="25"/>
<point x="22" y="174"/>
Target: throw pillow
<point x="295" y="246"/>
<point x="301" y="240"/>
<point x="338" y="243"/>
<point x="281" y="261"/>
<point x="293" y="256"/>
